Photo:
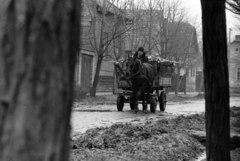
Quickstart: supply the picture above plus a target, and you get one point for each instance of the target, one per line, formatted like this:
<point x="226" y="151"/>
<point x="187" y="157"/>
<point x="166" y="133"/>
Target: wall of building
<point x="105" y="83"/>
<point x="234" y="66"/>
<point x="78" y="68"/>
<point x="92" y="16"/>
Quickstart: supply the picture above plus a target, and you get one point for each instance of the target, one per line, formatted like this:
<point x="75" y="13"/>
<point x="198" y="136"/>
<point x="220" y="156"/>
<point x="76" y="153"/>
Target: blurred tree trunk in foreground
<point x="216" y="79"/>
<point x="39" y="41"/>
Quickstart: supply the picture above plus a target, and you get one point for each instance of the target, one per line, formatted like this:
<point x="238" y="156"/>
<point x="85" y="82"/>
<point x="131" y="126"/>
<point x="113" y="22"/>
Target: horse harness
<point x="141" y="71"/>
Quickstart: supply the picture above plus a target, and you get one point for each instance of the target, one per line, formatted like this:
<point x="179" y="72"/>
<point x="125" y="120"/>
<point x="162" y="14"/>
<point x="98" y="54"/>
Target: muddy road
<point x="89" y="115"/>
<point x="100" y="132"/>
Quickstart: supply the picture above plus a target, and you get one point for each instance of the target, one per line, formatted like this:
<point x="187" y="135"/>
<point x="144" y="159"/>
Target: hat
<point x="141" y="49"/>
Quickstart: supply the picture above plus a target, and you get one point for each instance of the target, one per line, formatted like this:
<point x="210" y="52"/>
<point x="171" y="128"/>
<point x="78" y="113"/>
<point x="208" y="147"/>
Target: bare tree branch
<point x="233" y="6"/>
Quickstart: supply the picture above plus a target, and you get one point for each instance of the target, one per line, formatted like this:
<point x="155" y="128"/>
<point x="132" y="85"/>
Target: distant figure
<point x="141" y="55"/>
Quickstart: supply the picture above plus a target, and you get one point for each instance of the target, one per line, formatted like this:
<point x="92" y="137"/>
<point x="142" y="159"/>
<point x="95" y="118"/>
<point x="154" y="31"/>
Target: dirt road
<point x="85" y="117"/>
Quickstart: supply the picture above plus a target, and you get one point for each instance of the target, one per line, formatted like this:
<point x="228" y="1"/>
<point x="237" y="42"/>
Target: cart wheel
<point x="162" y="101"/>
<point x="131" y="104"/>
<point x="153" y="105"/>
<point x="120" y="103"/>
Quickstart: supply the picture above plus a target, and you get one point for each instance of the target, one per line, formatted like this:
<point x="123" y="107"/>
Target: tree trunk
<point x="201" y="84"/>
<point x="216" y="79"/>
<point x="39" y="43"/>
<point x="178" y="82"/>
<point x="185" y="84"/>
<point x="115" y="89"/>
<point x="100" y="52"/>
<point x="96" y="77"/>
<point x="150" y="31"/>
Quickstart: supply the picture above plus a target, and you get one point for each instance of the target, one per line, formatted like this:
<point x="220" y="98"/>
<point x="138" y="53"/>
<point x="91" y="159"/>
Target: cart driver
<point x="141" y="55"/>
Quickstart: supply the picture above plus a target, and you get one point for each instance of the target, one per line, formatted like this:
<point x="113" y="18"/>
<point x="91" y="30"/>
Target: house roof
<point x="143" y="15"/>
<point x="235" y="41"/>
<point x="111" y="9"/>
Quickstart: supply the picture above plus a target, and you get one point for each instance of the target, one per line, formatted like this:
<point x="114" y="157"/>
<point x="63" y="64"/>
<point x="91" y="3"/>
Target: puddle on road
<point x="134" y="120"/>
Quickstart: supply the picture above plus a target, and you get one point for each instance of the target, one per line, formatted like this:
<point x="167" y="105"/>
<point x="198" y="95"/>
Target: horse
<point x="141" y="76"/>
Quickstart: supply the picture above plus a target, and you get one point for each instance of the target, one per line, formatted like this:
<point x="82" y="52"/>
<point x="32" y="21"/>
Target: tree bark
<point x="216" y="79"/>
<point x="201" y="84"/>
<point x="185" y="84"/>
<point x="178" y="82"/>
<point x="115" y="89"/>
<point x="39" y="41"/>
<point x="100" y="52"/>
<point x="96" y="77"/>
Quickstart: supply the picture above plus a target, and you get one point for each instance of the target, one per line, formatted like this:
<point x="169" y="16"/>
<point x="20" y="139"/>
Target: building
<point x="234" y="65"/>
<point x="195" y="71"/>
<point x="183" y="46"/>
<point x="101" y="21"/>
<point x="146" y="30"/>
<point x="161" y="36"/>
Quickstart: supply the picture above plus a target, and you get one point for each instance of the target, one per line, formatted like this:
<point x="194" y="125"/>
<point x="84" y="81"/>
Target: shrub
<point x="79" y="93"/>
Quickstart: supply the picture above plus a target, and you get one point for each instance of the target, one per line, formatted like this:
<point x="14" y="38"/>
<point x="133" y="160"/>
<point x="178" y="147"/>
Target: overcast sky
<point x="194" y="16"/>
<point x="194" y="7"/>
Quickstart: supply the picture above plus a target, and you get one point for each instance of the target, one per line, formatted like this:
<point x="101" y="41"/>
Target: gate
<point x="86" y="72"/>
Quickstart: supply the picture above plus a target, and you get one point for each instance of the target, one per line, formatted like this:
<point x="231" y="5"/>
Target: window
<point x="238" y="74"/>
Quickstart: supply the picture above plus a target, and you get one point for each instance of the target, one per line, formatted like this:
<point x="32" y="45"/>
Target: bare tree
<point x="183" y="48"/>
<point x="151" y="25"/>
<point x="163" y="31"/>
<point x="136" y="35"/>
<point x="105" y="32"/>
<point x="233" y="6"/>
<point x="216" y="80"/>
<point x="39" y="44"/>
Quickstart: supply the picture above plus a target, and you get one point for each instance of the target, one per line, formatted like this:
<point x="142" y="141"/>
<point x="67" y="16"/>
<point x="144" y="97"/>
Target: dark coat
<point x="143" y="58"/>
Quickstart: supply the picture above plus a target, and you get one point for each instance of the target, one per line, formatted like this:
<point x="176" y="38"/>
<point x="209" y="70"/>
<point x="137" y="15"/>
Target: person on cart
<point x="141" y="55"/>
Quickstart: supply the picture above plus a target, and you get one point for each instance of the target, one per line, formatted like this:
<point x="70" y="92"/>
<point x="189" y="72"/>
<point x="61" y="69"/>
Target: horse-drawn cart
<point x="162" y="80"/>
